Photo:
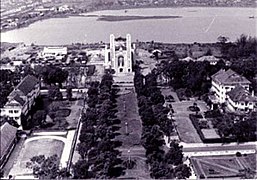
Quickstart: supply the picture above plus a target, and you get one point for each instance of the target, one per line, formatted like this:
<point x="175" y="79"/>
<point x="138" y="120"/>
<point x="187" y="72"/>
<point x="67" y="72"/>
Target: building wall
<point x="241" y="106"/>
<point x="221" y="90"/>
<point x="15" y="111"/>
<point x="119" y="59"/>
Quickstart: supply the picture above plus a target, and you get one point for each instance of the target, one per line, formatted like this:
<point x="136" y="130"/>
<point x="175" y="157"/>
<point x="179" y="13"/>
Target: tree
<point x="39" y="117"/>
<point x="175" y="154"/>
<point x="54" y="93"/>
<point x="52" y="74"/>
<point x="223" y="39"/>
<point x="182" y="171"/>
<point x="81" y="170"/>
<point x="69" y="93"/>
<point x="44" y="168"/>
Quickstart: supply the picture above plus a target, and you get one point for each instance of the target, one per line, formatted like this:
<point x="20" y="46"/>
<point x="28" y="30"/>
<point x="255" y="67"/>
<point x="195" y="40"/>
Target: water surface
<point x="196" y="25"/>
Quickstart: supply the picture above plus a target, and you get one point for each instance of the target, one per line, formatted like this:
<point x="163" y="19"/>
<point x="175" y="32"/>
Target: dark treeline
<point x="155" y="125"/>
<point x="231" y="127"/>
<point x="100" y="157"/>
<point x="189" y="78"/>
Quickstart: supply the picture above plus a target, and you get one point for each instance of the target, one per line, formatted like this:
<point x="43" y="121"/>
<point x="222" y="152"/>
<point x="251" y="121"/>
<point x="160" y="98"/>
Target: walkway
<point x="13" y="157"/>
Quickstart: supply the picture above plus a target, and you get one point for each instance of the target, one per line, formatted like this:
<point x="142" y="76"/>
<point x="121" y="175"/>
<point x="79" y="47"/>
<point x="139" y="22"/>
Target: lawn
<point x="184" y="126"/>
<point x="131" y="117"/>
<point x="45" y="147"/>
<point x="223" y="166"/>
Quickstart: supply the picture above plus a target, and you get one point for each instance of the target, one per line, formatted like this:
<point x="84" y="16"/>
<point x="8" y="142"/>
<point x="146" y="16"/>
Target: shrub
<point x="238" y="154"/>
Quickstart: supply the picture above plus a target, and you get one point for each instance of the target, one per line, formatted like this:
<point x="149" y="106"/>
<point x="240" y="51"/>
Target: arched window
<point x="120" y="61"/>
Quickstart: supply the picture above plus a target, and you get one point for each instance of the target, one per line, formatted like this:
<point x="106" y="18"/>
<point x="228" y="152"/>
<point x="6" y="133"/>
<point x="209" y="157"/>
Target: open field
<point x="224" y="166"/>
<point x="47" y="147"/>
<point x="128" y="112"/>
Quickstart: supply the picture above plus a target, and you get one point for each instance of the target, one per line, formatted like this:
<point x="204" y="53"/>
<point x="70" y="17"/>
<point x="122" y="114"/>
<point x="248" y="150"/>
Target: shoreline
<point x="84" y="14"/>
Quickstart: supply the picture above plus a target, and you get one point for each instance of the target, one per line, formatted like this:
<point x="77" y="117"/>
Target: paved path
<point x="76" y="155"/>
<point x="13" y="157"/>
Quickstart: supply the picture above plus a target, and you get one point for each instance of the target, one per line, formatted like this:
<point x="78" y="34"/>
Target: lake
<point x="197" y="24"/>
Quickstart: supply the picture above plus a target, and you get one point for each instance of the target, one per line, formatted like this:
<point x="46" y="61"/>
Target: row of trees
<point x="155" y="125"/>
<point x="100" y="157"/>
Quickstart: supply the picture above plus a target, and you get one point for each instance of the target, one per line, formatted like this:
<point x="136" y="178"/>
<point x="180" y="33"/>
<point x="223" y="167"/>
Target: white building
<point x="21" y="99"/>
<point x="224" y="81"/>
<point x="211" y="59"/>
<point x="119" y="57"/>
<point x="54" y="52"/>
<point x="239" y="99"/>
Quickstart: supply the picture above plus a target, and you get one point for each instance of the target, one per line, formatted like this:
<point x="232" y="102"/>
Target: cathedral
<point x="119" y="57"/>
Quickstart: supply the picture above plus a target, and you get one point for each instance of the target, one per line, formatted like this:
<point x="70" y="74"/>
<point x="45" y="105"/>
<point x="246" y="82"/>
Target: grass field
<point x="224" y="166"/>
<point x="45" y="147"/>
<point x="129" y="113"/>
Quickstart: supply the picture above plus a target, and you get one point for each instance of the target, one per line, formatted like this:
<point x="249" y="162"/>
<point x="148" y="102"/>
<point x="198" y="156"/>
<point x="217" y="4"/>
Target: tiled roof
<point x="240" y="94"/>
<point x="208" y="58"/>
<point x="27" y="84"/>
<point x="229" y="77"/>
<point x="19" y="99"/>
<point x="8" y="134"/>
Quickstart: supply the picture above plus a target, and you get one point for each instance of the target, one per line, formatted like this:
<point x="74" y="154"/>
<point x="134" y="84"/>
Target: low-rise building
<point x="21" y="99"/>
<point x="7" y="143"/>
<point x="54" y="52"/>
<point x="224" y="81"/>
<point x="211" y="59"/>
<point x="240" y="99"/>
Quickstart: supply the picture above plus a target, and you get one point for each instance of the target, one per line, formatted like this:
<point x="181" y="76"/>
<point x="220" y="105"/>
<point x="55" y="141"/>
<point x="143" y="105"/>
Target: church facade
<point x="119" y="57"/>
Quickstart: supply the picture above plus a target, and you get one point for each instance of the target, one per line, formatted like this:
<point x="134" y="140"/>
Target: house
<point x="211" y="59"/>
<point x="224" y="81"/>
<point x="8" y="141"/>
<point x="21" y="99"/>
<point x="240" y="99"/>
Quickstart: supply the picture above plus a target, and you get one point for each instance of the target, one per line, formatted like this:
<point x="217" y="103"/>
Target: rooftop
<point x="229" y="77"/>
<point x="240" y="94"/>
<point x="8" y="134"/>
<point x="27" y="84"/>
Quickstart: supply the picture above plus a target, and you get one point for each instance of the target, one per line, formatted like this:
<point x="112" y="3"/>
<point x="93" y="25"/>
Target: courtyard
<point x="225" y="166"/>
<point x="184" y="126"/>
<point x="47" y="147"/>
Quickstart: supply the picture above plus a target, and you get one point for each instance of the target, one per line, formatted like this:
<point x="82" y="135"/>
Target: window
<point x="16" y="111"/>
<point x="10" y="111"/>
